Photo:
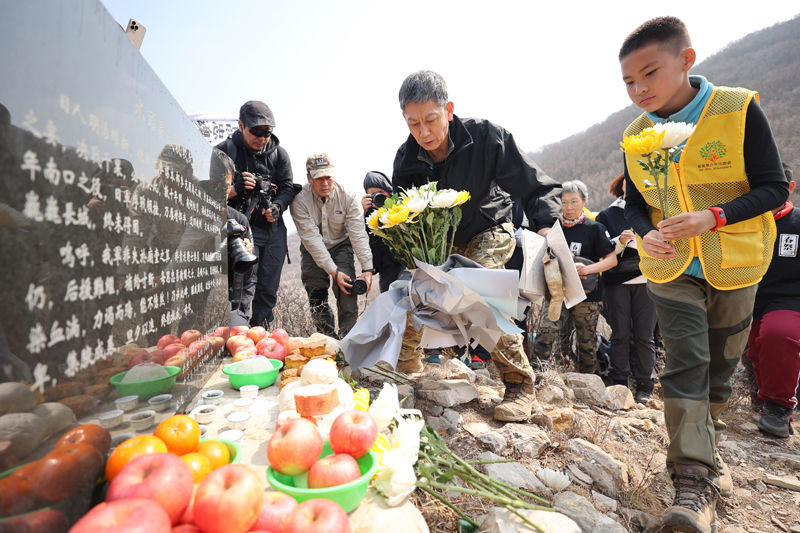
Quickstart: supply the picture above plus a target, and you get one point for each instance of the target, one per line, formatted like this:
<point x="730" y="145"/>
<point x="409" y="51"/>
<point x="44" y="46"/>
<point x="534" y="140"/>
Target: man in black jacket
<point x="482" y="158"/>
<point x="262" y="166"/>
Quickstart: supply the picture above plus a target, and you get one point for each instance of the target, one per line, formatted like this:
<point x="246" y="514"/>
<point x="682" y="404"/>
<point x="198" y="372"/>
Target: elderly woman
<point x="630" y="312"/>
<point x="594" y="252"/>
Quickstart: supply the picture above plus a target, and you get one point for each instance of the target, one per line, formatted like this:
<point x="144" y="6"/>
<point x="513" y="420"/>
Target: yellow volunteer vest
<point x="710" y="172"/>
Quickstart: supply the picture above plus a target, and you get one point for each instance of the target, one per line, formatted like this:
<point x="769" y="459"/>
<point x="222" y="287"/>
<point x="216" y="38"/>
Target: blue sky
<point x="330" y="71"/>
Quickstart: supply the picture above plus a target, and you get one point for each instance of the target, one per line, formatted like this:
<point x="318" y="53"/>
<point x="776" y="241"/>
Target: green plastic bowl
<point x="146" y="389"/>
<point x="348" y="495"/>
<point x="233" y="447"/>
<point x="262" y="379"/>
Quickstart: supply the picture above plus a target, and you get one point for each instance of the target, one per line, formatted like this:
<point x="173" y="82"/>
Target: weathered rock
<point x="749" y="426"/>
<point x="514" y="474"/>
<point x="406" y="395"/>
<point x="583" y="512"/>
<point x="455" y="369"/>
<point x="654" y="415"/>
<point x="741" y="493"/>
<point x="488" y="396"/>
<point x="442" y="425"/>
<point x="452" y="416"/>
<point x="788" y="460"/>
<point x="786" y="482"/>
<point x="527" y="440"/>
<point x="550" y="395"/>
<point x="603" y="503"/>
<point x="621" y="397"/>
<point x="494" y="441"/>
<point x="607" y="472"/>
<point x="477" y="429"/>
<point x="374" y="515"/>
<point x="435" y="410"/>
<point x="448" y="392"/>
<point x="483" y="377"/>
<point x="500" y="520"/>
<point x="588" y="388"/>
<point x="640" y="520"/>
<point x="561" y="419"/>
<point x="579" y="475"/>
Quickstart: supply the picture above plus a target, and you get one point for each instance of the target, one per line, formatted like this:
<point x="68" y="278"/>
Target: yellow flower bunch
<point x="648" y="141"/>
<point x="396" y="215"/>
<point x="462" y="197"/>
<point x="361" y="399"/>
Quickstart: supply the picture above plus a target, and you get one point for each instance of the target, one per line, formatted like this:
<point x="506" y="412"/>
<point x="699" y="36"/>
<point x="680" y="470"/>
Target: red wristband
<point x="719" y="217"/>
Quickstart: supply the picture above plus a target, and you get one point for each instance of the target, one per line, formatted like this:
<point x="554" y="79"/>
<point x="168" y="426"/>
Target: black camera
<point x="378" y="199"/>
<point x="358" y="287"/>
<point x="260" y="197"/>
<point x="239" y="258"/>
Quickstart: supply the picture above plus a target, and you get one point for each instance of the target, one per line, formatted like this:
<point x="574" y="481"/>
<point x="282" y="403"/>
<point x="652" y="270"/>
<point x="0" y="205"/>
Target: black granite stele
<point x="109" y="220"/>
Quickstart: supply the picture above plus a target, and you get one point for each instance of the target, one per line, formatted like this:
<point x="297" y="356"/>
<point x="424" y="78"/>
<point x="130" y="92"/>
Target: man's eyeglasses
<point x="260" y="132"/>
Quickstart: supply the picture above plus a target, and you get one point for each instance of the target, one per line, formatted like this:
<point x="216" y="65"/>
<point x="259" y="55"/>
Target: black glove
<point x="276" y="211"/>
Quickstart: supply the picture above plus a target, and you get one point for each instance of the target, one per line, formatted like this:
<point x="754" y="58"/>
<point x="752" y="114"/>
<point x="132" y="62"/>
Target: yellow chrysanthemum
<point x="361" y="397"/>
<point x="374" y="221"/>
<point x="644" y="143"/>
<point x="381" y="446"/>
<point x="396" y="215"/>
<point x="462" y="197"/>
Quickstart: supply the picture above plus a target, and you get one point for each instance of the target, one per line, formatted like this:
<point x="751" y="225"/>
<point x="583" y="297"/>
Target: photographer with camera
<point x="330" y="223"/>
<point x="262" y="190"/>
<point x="379" y="189"/>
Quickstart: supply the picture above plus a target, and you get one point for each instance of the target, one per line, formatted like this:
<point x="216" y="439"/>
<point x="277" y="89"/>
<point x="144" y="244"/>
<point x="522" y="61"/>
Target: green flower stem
<point x="442" y="499"/>
<point x="491" y="461"/>
<point x="502" y="500"/>
<point x="390" y="374"/>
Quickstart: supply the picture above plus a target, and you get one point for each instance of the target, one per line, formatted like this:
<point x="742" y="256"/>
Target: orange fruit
<point x="217" y="452"/>
<point x="131" y="449"/>
<point x="198" y="464"/>
<point x="180" y="433"/>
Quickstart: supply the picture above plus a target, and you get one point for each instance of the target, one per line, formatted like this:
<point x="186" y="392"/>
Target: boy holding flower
<point x="705" y="235"/>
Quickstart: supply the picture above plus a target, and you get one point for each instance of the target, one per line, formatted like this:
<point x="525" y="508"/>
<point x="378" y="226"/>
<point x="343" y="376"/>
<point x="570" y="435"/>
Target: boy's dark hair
<point x="669" y="32"/>
<point x="221" y="164"/>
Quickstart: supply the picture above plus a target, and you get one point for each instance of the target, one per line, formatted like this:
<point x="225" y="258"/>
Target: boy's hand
<point x="653" y="245"/>
<point x="687" y="225"/>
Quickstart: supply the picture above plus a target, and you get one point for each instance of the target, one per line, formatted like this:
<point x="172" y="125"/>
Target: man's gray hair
<point x="422" y="86"/>
<point x="576" y="186"/>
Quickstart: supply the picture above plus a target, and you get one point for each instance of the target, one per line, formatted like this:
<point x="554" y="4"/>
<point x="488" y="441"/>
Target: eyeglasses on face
<point x="260" y="132"/>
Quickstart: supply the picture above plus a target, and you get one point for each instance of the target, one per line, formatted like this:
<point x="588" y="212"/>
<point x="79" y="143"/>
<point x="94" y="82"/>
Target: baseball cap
<point x="319" y="165"/>
<point x="254" y="113"/>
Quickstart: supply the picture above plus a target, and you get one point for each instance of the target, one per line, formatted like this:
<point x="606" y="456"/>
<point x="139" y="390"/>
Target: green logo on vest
<point x="713" y="150"/>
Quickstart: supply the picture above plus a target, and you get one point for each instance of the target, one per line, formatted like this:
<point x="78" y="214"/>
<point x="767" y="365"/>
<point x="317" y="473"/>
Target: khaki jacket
<point x="323" y="225"/>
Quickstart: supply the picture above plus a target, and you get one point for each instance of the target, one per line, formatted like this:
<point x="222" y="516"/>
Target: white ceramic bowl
<point x="203" y="430"/>
<point x="249" y="391"/>
<point x="142" y="419"/>
<point x="231" y="435"/>
<point x="204" y="414"/>
<point x="238" y="420"/>
<point x="160" y="402"/>
<point x="126" y="403"/>
<point x="111" y="419"/>
<point x="243" y="404"/>
<point x="213" y="396"/>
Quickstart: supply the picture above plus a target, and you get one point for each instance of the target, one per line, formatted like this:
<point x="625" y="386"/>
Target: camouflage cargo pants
<point x="585" y="316"/>
<point x="492" y="249"/>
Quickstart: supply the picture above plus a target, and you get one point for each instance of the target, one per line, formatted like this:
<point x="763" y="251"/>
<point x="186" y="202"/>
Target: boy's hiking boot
<point x="518" y="402"/>
<point x="693" y="510"/>
<point x="776" y="420"/>
<point x="725" y="478"/>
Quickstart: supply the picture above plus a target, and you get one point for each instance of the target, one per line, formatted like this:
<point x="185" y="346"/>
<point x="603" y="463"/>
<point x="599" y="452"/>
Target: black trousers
<point x="270" y="247"/>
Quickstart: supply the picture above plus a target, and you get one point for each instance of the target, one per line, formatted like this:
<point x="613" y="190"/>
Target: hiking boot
<point x="432" y="357"/>
<point x="413" y="365"/>
<point x="478" y="362"/>
<point x="643" y="396"/>
<point x="518" y="402"/>
<point x="776" y="420"/>
<point x="693" y="510"/>
<point x="725" y="478"/>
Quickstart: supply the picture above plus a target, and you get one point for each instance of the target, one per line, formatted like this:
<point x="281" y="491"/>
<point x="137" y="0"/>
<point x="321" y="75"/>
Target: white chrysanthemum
<point x="553" y="479"/>
<point x="417" y="204"/>
<point x="444" y="198"/>
<point x="405" y="437"/>
<point x="385" y="406"/>
<point x="674" y="133"/>
<point x="395" y="479"/>
<point x="384" y="218"/>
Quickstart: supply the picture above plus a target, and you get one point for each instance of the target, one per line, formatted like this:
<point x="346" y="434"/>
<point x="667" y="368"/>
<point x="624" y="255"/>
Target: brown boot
<point x="518" y="402"/>
<point x="725" y="478"/>
<point x="412" y="365"/>
<point x="693" y="510"/>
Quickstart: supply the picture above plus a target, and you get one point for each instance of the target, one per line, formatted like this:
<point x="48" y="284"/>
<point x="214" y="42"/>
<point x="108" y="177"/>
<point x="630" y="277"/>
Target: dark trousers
<point x="316" y="282"/>
<point x="270" y="247"/>
<point x="632" y="317"/>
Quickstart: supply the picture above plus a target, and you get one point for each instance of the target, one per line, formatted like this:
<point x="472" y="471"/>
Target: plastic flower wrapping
<point x="419" y="223"/>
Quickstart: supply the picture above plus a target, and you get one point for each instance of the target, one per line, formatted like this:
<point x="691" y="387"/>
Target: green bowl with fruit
<point x="264" y="379"/>
<point x="348" y="495"/>
<point x="146" y="389"/>
<point x="233" y="447"/>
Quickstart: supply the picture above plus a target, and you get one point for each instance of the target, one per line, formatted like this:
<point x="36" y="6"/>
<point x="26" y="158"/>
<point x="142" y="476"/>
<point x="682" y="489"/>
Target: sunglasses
<point x="262" y="132"/>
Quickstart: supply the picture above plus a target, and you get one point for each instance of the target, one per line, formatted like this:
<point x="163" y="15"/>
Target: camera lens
<point x="359" y="287"/>
<point x="378" y="199"/>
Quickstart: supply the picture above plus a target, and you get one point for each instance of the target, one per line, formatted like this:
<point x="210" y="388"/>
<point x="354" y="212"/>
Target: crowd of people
<point x="694" y="272"/>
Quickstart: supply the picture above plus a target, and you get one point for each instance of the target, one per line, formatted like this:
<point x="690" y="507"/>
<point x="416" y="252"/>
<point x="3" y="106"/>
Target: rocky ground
<point x="612" y="449"/>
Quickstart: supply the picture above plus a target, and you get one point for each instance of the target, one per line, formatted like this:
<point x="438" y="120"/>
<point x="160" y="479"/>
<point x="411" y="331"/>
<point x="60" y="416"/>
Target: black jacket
<point x="486" y="162"/>
<point x="271" y="162"/>
<point x="613" y="218"/>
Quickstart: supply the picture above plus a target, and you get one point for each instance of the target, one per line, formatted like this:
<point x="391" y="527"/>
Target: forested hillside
<point x="767" y="61"/>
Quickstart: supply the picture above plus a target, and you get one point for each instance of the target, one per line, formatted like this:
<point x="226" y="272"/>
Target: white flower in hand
<point x="385" y="406"/>
<point x="395" y="479"/>
<point x="444" y="198"/>
<point x="417" y="204"/>
<point x="405" y="437"/>
<point x="674" y="133"/>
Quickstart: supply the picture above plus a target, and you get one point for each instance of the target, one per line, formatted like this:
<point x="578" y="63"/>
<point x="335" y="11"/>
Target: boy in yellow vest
<point x="703" y="261"/>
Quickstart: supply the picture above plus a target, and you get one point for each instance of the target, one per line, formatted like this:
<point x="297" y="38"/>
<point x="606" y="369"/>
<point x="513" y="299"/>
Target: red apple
<point x="222" y="331"/>
<point x="244" y="353"/>
<point x="131" y="515"/>
<point x="276" y="507"/>
<point x="49" y="520"/>
<point x="175" y="348"/>
<point x="280" y="335"/>
<point x="317" y="516"/>
<point x="228" y="500"/>
<point x="176" y="360"/>
<point x="272" y="349"/>
<point x="256" y="333"/>
<point x="333" y="470"/>
<point x="239" y="330"/>
<point x="188" y="515"/>
<point x="189" y="336"/>
<point x="236" y="341"/>
<point x="133" y="353"/>
<point x="156" y="356"/>
<point x="267" y="341"/>
<point x="216" y="342"/>
<point x="294" y="447"/>
<point x="186" y="528"/>
<point x="166" y="340"/>
<point x="353" y="432"/>
<point x="161" y="477"/>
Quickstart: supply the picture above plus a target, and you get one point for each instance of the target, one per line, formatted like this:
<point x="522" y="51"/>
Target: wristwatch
<point x="719" y="217"/>
<point x="370" y="270"/>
